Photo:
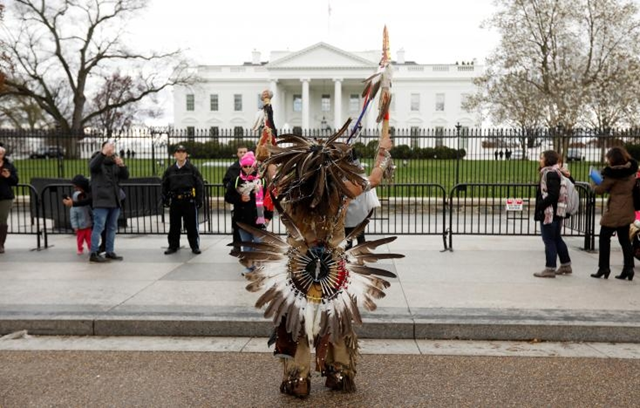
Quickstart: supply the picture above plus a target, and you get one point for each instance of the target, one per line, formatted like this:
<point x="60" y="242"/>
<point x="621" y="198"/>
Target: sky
<point x="226" y="32"/>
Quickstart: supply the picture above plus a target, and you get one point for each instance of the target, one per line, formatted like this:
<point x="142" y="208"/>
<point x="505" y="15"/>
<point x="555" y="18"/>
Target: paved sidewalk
<point x="484" y="290"/>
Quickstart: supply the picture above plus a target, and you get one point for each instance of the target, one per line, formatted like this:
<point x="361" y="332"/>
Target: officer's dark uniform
<point x="183" y="191"/>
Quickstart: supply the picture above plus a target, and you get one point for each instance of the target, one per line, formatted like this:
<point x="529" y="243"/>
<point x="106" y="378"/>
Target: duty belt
<point x="182" y="196"/>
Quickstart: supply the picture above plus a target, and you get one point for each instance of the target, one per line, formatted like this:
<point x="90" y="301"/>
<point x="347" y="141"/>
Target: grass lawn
<point x="441" y="172"/>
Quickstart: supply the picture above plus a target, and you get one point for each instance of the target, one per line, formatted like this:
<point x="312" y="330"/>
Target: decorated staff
<point x="313" y="288"/>
<point x="265" y="122"/>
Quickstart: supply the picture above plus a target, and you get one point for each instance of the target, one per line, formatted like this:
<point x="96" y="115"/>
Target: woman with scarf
<point x="618" y="179"/>
<point x="550" y="206"/>
<point x="247" y="194"/>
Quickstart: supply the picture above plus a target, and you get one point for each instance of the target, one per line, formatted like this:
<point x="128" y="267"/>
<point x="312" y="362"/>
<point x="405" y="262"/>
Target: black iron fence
<point x="481" y="168"/>
<point x="438" y="156"/>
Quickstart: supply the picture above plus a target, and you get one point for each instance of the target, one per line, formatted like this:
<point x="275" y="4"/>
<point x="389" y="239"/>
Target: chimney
<point x="255" y="57"/>
<point x="400" y="59"/>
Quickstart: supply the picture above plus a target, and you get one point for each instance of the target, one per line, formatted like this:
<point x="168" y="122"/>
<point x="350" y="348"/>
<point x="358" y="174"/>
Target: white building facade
<point x="320" y="87"/>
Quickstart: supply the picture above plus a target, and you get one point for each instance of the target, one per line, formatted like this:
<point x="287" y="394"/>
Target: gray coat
<point x="105" y="181"/>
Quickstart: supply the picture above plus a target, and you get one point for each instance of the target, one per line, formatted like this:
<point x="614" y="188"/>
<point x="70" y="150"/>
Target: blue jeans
<point x="247" y="237"/>
<point x="554" y="246"/>
<point x="104" y="217"/>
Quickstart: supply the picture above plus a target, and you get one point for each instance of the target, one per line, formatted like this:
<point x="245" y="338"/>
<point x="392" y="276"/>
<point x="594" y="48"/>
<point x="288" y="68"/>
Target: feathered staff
<point x="268" y="135"/>
<point x="381" y="80"/>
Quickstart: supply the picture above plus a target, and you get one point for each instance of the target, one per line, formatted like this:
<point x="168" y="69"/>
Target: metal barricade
<point x="481" y="209"/>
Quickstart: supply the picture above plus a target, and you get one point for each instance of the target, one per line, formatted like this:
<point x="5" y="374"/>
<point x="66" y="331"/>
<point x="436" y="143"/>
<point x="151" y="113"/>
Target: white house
<point x="319" y="87"/>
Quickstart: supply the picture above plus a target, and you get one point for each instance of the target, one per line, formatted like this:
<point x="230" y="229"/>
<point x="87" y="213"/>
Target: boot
<point x="602" y="272"/>
<point x="564" y="270"/>
<point x="546" y="273"/>
<point x="96" y="258"/>
<point x="627" y="273"/>
<point x="4" y="229"/>
<point x="298" y="387"/>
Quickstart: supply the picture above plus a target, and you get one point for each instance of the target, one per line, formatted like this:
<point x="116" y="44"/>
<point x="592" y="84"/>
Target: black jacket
<point x="232" y="173"/>
<point x="182" y="180"/>
<point x="6" y="193"/>
<point x="105" y="181"/>
<point x="553" y="190"/>
<point x="244" y="212"/>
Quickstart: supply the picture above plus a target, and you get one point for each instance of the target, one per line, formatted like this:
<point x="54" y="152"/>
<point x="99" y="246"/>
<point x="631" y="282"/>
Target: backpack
<point x="636" y="195"/>
<point x="573" y="198"/>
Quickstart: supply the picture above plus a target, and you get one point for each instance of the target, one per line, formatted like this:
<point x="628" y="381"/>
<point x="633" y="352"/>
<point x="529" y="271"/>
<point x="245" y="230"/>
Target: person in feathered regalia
<point x="313" y="287"/>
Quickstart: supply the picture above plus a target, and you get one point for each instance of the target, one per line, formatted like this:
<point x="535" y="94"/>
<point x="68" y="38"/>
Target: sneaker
<point x="112" y="256"/>
<point x="196" y="251"/>
<point x="95" y="258"/>
<point x="564" y="270"/>
<point x="170" y="251"/>
<point x="546" y="273"/>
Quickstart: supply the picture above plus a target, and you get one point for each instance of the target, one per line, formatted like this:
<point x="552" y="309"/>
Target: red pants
<point x="83" y="235"/>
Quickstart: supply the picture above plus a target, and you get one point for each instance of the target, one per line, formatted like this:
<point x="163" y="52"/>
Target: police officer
<point x="183" y="193"/>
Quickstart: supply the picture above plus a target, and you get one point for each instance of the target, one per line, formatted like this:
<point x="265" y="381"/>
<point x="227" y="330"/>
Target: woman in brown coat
<point x="619" y="178"/>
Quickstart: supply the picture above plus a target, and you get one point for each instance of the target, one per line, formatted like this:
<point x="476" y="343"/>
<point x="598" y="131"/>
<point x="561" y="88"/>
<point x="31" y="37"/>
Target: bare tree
<point x="63" y="50"/>
<point x="560" y="53"/>
<point x="116" y="88"/>
<point x="4" y="58"/>
<point x="21" y="112"/>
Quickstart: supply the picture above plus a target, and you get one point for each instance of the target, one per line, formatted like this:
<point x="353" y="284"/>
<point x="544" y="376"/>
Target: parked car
<point x="47" y="152"/>
<point x="574" y="155"/>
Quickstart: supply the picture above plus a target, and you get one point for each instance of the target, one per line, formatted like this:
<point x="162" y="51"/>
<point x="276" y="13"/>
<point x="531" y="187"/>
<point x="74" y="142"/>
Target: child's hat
<point x="248" y="159"/>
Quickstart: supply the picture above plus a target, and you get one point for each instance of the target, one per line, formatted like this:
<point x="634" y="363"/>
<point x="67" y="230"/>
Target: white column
<point x="372" y="114"/>
<point x="337" y="114"/>
<point x="275" y="102"/>
<point x="305" y="103"/>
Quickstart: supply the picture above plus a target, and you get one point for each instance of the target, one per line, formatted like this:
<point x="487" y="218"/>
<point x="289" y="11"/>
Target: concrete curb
<point x="437" y="325"/>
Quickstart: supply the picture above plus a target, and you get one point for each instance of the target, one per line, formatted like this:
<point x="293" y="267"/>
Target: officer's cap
<point x="180" y="148"/>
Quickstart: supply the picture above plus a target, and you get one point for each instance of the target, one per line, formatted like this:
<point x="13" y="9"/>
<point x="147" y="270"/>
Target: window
<point x="464" y="137"/>
<point x="237" y="102"/>
<point x="439" y="102"/>
<point x="464" y="99"/>
<point x="354" y="103"/>
<point x="260" y="103"/>
<point x="238" y="131"/>
<point x="214" y="131"/>
<point x="213" y="102"/>
<point x="191" y="102"/>
<point x="415" y="132"/>
<point x="297" y="103"/>
<point x="439" y="136"/>
<point x="325" y="105"/>
<point x="415" y="102"/>
<point x="191" y="131"/>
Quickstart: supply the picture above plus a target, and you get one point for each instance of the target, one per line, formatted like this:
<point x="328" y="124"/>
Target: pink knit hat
<point x="248" y="159"/>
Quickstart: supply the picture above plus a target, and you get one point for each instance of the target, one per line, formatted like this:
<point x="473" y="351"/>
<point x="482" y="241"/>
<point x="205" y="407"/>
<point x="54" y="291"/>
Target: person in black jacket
<point x="183" y="193"/>
<point x="232" y="173"/>
<point x="8" y="179"/>
<point x="247" y="194"/>
<point x="107" y="170"/>
<point x="548" y="197"/>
